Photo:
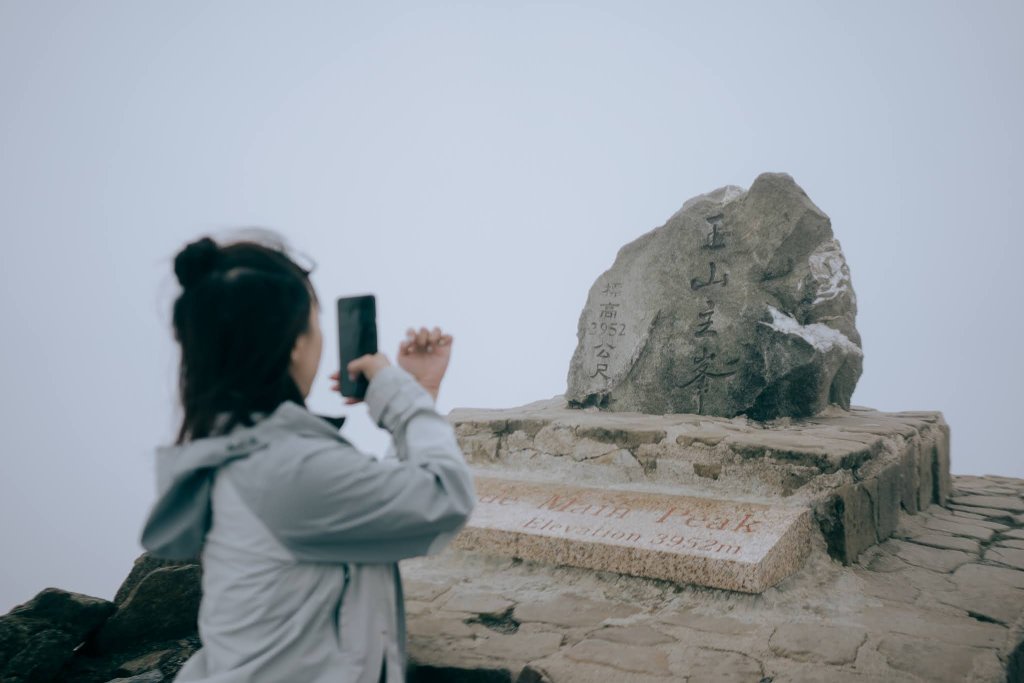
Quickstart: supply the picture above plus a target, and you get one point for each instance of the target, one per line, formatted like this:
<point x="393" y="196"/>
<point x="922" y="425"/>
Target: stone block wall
<point x="855" y="469"/>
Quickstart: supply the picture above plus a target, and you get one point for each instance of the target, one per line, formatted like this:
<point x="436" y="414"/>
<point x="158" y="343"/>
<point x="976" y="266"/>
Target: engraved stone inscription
<point x="704" y="369"/>
<point x="645" y="533"/>
<point x="604" y="328"/>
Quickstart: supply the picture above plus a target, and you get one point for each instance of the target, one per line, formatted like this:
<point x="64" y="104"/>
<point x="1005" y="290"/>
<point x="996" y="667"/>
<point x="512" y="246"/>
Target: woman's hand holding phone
<point x="367" y="365"/>
<point x="423" y="354"/>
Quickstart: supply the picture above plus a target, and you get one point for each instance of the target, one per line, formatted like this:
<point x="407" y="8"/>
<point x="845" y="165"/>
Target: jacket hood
<point x="181" y="516"/>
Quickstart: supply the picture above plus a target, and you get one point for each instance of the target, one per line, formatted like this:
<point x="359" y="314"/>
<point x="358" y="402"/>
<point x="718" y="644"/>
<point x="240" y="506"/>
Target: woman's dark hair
<point x="242" y="307"/>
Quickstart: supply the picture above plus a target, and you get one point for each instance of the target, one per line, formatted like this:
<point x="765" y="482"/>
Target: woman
<point x="298" y="532"/>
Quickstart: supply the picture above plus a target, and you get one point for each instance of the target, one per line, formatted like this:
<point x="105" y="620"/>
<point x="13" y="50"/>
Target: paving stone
<point x="946" y="513"/>
<point x="929" y="660"/>
<point x="632" y="658"/>
<point x="434" y="659"/>
<point x="560" y="669"/>
<point x="426" y="591"/>
<point x="1001" y="491"/>
<point x="789" y="672"/>
<point x="417" y="607"/>
<point x="989" y="524"/>
<point x="884" y="560"/>
<point x="1013" y="504"/>
<point x="929" y="558"/>
<point x="926" y="580"/>
<point x="438" y="626"/>
<point x="815" y="642"/>
<point x="988" y="592"/>
<point x="572" y="610"/>
<point x="490" y="604"/>
<point x="640" y="634"/>
<point x="989" y="514"/>
<point x="939" y="540"/>
<point x="1011" y="557"/>
<point x="958" y="528"/>
<point x="910" y="526"/>
<point x="727" y="626"/>
<point x="889" y="586"/>
<point x="988" y="667"/>
<point x="932" y="625"/>
<point x="521" y="647"/>
<point x="987" y="575"/>
<point x="980" y="603"/>
<point x="708" y="665"/>
<point x="1010" y="543"/>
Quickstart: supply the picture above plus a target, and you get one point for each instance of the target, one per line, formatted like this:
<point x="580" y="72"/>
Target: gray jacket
<point x="299" y="535"/>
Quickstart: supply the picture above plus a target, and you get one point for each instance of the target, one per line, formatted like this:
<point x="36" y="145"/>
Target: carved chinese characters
<point x="703" y="371"/>
<point x="605" y="329"/>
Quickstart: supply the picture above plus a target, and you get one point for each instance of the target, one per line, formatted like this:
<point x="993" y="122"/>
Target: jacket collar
<point x="290" y="414"/>
<point x="298" y="419"/>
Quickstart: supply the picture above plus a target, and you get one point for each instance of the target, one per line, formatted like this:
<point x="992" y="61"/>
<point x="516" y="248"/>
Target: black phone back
<point x="357" y="336"/>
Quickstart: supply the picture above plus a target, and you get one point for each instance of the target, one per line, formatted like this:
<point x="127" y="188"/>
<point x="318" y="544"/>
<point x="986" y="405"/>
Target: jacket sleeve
<point x="340" y="505"/>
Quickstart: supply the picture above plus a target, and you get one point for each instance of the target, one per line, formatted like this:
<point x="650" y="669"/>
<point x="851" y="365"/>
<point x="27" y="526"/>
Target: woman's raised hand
<point x="424" y="355"/>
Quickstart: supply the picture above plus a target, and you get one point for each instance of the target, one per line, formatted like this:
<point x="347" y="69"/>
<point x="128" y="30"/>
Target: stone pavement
<point x="942" y="600"/>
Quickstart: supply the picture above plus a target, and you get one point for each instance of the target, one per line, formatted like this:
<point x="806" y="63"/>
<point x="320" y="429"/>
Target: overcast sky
<point x="476" y="166"/>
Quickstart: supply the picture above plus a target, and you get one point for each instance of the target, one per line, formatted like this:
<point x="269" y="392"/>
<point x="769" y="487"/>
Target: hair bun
<point x="197" y="260"/>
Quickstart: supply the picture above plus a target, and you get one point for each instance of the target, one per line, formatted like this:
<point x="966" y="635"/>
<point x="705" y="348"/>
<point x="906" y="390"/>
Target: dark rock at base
<point x="143" y="567"/>
<point x="167" y="657"/>
<point x="163" y="605"/>
<point x="36" y="638"/>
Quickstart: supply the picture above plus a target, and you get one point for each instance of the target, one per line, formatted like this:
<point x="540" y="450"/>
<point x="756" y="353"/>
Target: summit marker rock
<point x="741" y="303"/>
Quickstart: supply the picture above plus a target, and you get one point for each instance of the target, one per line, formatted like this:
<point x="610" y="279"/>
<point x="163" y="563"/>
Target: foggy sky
<point x="476" y="166"/>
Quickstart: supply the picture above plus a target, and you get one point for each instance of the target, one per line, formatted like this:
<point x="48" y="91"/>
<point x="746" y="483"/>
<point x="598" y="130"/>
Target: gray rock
<point x="164" y="605"/>
<point x="143" y="567"/>
<point x="37" y="637"/>
<point x="740" y="304"/>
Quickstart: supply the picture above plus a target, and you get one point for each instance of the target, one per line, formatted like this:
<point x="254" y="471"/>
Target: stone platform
<point x="940" y="601"/>
<point x="855" y="470"/>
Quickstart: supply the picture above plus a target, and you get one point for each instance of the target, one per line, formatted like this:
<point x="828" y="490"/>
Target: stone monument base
<point x="662" y="495"/>
<point x="941" y="601"/>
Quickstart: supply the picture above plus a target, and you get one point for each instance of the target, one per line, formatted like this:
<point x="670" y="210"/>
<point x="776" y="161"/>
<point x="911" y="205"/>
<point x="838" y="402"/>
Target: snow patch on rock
<point x="830" y="272"/>
<point x="822" y="337"/>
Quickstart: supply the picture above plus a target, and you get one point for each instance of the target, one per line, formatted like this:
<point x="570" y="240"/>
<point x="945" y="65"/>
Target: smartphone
<point x="357" y="336"/>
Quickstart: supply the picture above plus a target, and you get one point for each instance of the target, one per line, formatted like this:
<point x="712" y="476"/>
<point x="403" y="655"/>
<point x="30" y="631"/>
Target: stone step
<point x="730" y="544"/>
